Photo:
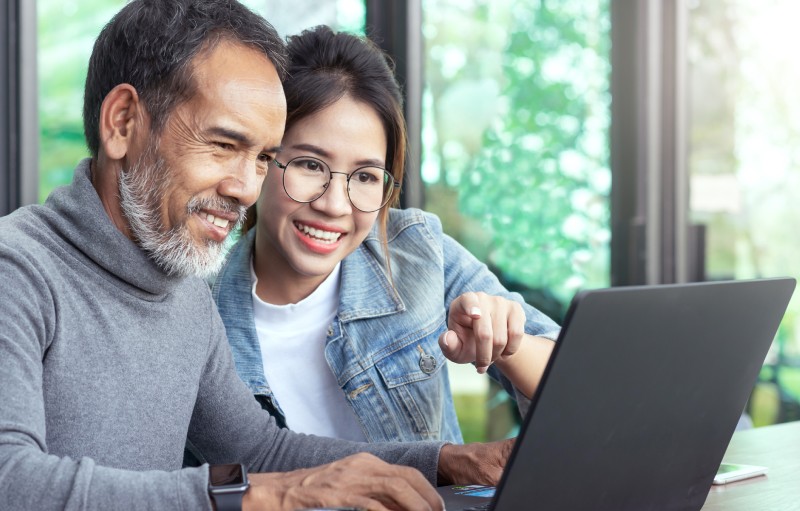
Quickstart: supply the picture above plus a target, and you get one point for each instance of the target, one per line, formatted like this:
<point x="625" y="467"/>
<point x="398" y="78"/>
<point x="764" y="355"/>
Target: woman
<point x="340" y="310"/>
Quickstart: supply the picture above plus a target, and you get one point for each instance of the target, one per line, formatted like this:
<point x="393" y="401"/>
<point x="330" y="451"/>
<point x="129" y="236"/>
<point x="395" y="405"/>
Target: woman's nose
<point x="336" y="200"/>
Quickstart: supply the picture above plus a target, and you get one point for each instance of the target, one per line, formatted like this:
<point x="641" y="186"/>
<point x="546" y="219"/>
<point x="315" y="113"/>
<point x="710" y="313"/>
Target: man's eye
<point x="224" y="145"/>
<point x="264" y="158"/>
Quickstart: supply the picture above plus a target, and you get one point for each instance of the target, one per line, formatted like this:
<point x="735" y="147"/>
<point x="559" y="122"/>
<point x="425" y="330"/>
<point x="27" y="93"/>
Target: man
<point x="112" y="353"/>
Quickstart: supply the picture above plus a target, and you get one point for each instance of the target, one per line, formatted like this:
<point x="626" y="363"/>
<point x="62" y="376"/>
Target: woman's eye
<point x="311" y="165"/>
<point x="365" y="177"/>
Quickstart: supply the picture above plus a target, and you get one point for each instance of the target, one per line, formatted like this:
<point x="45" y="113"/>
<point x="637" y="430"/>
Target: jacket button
<point x="427" y="363"/>
<point x="330" y="330"/>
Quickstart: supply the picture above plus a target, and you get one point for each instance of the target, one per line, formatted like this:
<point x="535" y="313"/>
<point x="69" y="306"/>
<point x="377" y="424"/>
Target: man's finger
<point x="412" y="491"/>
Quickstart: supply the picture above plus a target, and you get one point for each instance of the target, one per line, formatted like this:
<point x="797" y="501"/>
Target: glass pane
<point x="66" y="33"/>
<point x="744" y="165"/>
<point x="292" y="16"/>
<point x="516" y="110"/>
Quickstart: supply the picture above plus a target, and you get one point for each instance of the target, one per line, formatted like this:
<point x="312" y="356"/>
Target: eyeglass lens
<point x="306" y="179"/>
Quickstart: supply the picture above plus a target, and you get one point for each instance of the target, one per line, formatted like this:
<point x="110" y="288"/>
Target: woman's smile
<point x="317" y="238"/>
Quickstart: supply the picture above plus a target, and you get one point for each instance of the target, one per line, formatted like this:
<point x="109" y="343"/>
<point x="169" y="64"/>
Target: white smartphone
<point x="730" y="472"/>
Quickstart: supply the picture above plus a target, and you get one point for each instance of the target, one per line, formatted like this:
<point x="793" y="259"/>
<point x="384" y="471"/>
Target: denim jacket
<point x="383" y="344"/>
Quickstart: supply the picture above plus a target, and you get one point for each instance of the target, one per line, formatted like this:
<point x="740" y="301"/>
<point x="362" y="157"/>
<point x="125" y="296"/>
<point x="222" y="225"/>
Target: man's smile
<point x="218" y="221"/>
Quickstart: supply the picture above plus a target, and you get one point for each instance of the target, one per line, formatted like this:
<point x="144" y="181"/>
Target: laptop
<point x="639" y="400"/>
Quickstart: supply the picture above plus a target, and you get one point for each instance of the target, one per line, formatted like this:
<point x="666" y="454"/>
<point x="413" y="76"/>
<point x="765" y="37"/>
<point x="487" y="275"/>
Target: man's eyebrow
<point x="228" y="133"/>
<point x="239" y="137"/>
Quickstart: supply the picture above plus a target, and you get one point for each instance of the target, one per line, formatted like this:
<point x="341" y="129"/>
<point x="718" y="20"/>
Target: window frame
<point x="19" y="127"/>
<point x="9" y="125"/>
<point x="396" y="27"/>
<point x="651" y="239"/>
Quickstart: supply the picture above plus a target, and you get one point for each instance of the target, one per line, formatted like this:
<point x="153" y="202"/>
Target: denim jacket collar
<point x="366" y="291"/>
<point x="236" y="308"/>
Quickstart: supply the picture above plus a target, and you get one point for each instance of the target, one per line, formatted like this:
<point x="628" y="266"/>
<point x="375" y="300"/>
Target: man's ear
<point x="120" y="115"/>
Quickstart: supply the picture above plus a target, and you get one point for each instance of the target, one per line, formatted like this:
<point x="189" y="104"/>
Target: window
<point x="515" y="143"/>
<point x="66" y="33"/>
<point x="743" y="164"/>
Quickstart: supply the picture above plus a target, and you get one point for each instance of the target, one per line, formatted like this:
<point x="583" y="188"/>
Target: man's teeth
<point x="219" y="222"/>
<point x="319" y="234"/>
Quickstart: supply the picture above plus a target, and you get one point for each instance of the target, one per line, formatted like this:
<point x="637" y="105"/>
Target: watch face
<point x="226" y="475"/>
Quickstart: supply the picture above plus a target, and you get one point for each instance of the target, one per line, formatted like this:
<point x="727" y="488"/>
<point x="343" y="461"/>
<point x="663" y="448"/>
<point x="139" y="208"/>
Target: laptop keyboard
<point x="479" y="507"/>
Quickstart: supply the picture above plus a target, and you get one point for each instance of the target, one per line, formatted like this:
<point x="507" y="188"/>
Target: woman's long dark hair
<point x="325" y="66"/>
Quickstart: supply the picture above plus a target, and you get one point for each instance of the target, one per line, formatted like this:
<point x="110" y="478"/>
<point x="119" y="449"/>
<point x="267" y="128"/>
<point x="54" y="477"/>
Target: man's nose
<point x="244" y="182"/>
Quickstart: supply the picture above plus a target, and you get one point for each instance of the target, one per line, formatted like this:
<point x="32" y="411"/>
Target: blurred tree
<point x="515" y="148"/>
<point x="66" y="34"/>
<point x="540" y="183"/>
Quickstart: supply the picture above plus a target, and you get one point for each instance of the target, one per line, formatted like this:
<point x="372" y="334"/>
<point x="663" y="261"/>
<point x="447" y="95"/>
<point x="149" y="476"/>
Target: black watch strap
<point x="227" y="501"/>
<point x="227" y="484"/>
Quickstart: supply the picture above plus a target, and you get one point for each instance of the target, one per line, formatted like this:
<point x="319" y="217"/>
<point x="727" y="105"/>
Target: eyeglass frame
<point x="283" y="166"/>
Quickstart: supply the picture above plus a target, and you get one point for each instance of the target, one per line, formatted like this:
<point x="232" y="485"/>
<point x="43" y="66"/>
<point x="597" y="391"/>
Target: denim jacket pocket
<point x="415" y="378"/>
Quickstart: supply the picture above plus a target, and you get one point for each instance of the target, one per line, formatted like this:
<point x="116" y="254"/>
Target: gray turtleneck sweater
<point x="107" y="364"/>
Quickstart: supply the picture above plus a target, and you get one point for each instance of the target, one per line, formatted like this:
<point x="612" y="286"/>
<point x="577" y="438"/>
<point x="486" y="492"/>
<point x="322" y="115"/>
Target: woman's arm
<point x="525" y="368"/>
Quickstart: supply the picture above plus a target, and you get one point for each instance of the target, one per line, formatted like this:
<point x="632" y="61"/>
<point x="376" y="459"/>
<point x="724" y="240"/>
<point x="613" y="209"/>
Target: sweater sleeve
<point x="30" y="477"/>
<point x="227" y="422"/>
<point x="228" y="426"/>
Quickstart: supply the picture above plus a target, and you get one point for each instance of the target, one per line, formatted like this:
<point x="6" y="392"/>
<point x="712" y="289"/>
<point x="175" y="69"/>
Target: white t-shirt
<point x="292" y="339"/>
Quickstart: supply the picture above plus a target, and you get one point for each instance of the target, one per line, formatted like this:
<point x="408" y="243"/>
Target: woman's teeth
<point x="319" y="234"/>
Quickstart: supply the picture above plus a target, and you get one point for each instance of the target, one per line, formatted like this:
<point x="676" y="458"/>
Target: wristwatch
<point x="226" y="486"/>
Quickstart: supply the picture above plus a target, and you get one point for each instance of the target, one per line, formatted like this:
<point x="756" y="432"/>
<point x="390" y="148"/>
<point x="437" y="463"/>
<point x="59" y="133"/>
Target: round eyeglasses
<point x="306" y="179"/>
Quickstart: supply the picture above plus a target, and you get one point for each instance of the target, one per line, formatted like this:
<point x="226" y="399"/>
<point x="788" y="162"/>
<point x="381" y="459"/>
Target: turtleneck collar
<point x="83" y="221"/>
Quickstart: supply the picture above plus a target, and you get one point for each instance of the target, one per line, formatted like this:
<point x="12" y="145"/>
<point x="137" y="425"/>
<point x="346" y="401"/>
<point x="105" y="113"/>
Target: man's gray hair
<point x="151" y="44"/>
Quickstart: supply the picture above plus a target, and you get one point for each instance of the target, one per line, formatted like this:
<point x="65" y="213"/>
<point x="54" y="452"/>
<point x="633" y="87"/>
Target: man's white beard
<point x="142" y="190"/>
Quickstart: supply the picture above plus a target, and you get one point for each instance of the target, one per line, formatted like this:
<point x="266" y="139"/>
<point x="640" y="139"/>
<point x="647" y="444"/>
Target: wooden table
<point x="775" y="447"/>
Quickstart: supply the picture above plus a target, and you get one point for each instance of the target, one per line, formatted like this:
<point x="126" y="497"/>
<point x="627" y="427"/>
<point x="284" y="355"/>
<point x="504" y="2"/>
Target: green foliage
<point x="471" y="410"/>
<point x="540" y="184"/>
<point x="66" y="33"/>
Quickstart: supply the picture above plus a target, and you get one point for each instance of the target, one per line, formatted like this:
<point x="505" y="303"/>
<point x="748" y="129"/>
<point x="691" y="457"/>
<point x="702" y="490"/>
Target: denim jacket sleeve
<point x="430" y="269"/>
<point x="464" y="272"/>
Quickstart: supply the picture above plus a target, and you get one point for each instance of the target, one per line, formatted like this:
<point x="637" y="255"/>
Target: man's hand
<point x="482" y="329"/>
<point x="360" y="481"/>
<point x="474" y="463"/>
